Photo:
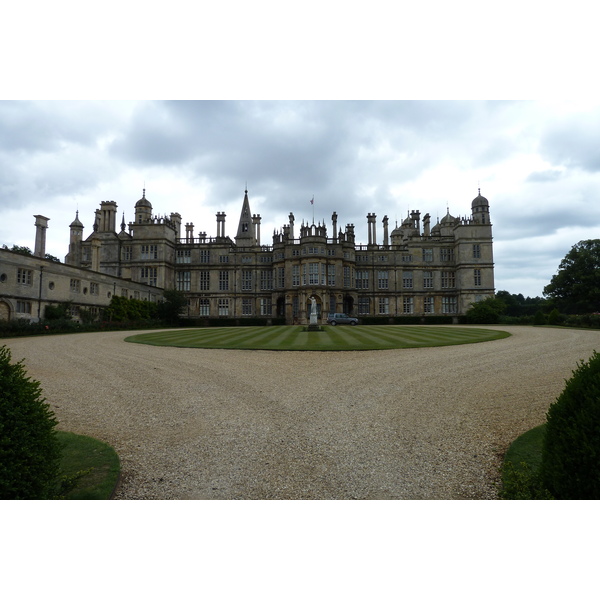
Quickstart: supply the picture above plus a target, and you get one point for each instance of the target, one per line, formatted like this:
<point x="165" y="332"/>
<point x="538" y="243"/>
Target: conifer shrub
<point x="29" y="448"/>
<point x="570" y="466"/>
<point x="554" y="318"/>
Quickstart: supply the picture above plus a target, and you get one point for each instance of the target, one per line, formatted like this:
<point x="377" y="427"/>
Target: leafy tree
<point x="29" y="448"/>
<point x="576" y="286"/>
<point x="52" y="258"/>
<point x="486" y="311"/>
<point x="54" y="312"/>
<point x="172" y="305"/>
<point x="18" y="249"/>
<point x="571" y="449"/>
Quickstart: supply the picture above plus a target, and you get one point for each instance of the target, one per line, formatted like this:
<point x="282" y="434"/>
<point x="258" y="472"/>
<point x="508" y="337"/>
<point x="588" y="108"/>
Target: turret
<point x="75" y="238"/>
<point x="143" y="209"/>
<point x="480" y="209"/>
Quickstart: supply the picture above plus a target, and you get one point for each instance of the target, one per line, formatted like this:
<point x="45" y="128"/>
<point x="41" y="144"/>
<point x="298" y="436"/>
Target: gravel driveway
<point x="427" y="423"/>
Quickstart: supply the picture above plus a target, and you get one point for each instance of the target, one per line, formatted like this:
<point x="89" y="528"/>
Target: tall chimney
<point x="41" y="224"/>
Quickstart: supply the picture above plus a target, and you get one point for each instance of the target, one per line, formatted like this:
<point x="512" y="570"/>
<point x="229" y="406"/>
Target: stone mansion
<point x="416" y="269"/>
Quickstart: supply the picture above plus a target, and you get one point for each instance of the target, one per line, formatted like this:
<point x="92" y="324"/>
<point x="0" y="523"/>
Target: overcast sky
<point x="538" y="164"/>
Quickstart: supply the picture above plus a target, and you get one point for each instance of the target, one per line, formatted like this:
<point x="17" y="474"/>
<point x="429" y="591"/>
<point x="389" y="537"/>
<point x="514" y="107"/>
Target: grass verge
<point x="369" y="337"/>
<point x="520" y="470"/>
<point x="83" y="453"/>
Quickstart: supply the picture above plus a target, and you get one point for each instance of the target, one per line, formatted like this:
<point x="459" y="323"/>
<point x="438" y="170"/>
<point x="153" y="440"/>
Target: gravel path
<point x="427" y="423"/>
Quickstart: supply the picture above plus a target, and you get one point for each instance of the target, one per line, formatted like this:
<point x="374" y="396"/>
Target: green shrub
<point x="571" y="450"/>
<point x="539" y="318"/>
<point x="29" y="448"/>
<point x="555" y="318"/>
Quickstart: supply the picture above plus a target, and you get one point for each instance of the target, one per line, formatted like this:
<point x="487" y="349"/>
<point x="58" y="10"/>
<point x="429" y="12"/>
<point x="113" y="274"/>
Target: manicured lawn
<point x="368" y="337"/>
<point x="81" y="453"/>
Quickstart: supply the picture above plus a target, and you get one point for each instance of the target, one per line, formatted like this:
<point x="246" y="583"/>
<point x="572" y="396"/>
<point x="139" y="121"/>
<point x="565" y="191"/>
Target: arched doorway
<point x="4" y="311"/>
<point x="348" y="305"/>
<point x="281" y="306"/>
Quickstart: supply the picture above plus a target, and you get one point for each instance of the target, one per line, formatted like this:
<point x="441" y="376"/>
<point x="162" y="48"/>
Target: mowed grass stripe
<point x="368" y="337"/>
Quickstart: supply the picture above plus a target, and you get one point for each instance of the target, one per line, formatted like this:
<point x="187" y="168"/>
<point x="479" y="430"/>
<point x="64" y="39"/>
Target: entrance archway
<point x="348" y="305"/>
<point x="4" y="311"/>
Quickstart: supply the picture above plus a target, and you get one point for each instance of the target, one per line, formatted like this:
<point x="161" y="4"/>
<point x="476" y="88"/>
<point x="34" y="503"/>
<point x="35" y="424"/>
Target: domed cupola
<point x="480" y="209"/>
<point x="76" y="223"/>
<point x="143" y="209"/>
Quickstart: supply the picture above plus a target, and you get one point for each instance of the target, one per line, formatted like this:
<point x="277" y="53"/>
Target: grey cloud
<point x="544" y="176"/>
<point x="574" y="142"/>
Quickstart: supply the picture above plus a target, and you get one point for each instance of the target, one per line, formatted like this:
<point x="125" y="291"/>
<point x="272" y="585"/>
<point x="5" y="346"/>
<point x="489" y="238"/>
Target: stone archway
<point x="348" y="304"/>
<point x="4" y="311"/>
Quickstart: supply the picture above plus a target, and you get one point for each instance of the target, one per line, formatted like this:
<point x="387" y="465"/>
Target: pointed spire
<point x="123" y="222"/>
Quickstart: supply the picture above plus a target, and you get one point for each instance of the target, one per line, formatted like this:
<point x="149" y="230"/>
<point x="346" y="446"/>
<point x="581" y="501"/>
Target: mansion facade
<point x="416" y="269"/>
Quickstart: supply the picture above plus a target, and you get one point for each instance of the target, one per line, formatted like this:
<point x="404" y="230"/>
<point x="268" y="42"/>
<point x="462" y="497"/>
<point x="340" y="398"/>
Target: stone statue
<point x="313" y="311"/>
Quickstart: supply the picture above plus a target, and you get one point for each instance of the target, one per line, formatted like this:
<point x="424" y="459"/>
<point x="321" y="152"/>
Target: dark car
<point x="341" y="319"/>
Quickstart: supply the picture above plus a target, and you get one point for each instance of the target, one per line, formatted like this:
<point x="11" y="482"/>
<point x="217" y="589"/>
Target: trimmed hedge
<point x="571" y="452"/>
<point x="29" y="448"/>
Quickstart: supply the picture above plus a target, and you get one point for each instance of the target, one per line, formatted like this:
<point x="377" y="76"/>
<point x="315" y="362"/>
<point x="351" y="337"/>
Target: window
<point x="281" y="277"/>
<point x="266" y="259"/>
<point x="363" y="305"/>
<point x="23" y="307"/>
<point x="295" y="274"/>
<point x="295" y="306"/>
<point x="407" y="279"/>
<point x="384" y="306"/>
<point x="447" y="254"/>
<point x="223" y="281"/>
<point x="449" y="304"/>
<point x="448" y="280"/>
<point x="408" y="305"/>
<point x="149" y="252"/>
<point x="184" y="256"/>
<point x="266" y="280"/>
<point x="148" y="275"/>
<point x="94" y="289"/>
<point x="332" y="303"/>
<point x="124" y="293"/>
<point x="127" y="253"/>
<point x="347" y="276"/>
<point x="246" y="280"/>
<point x="75" y="286"/>
<point x="427" y="254"/>
<point x="382" y="280"/>
<point x="24" y="276"/>
<point x="246" y="259"/>
<point x="204" y="307"/>
<point x="407" y="258"/>
<point x="427" y="279"/>
<point x="223" y="259"/>
<point x="362" y="280"/>
<point x="246" y="307"/>
<point x="476" y="251"/>
<point x="204" y="280"/>
<point x="477" y="277"/>
<point x="313" y="273"/>
<point x="265" y="307"/>
<point x="331" y="275"/>
<point x="428" y="305"/>
<point x="204" y="256"/>
<point x="382" y="258"/>
<point x="223" y="307"/>
<point x="330" y="251"/>
<point x="184" y="280"/>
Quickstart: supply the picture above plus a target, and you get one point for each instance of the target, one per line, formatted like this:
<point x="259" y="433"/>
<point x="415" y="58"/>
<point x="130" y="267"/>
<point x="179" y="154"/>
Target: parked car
<point x="341" y="319"/>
